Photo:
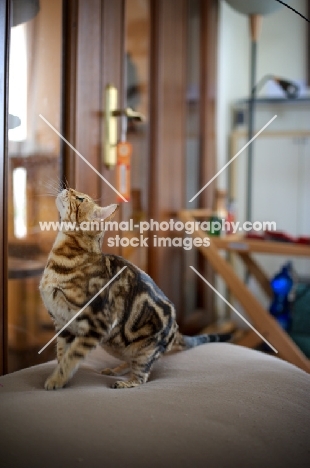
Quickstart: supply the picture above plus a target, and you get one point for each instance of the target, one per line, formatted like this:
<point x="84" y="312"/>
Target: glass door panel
<point x="136" y="96"/>
<point x="33" y="171"/>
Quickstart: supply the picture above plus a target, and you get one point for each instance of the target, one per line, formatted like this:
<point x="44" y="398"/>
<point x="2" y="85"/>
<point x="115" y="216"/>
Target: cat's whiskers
<point x="57" y="182"/>
<point x="53" y="186"/>
<point x="50" y="183"/>
<point x="46" y="195"/>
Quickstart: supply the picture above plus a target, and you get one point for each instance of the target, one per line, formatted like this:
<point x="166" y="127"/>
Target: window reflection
<point x="20" y="202"/>
<point x="33" y="172"/>
<point x="18" y="87"/>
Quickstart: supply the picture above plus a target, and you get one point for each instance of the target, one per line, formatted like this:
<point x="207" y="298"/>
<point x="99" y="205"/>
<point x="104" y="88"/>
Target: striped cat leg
<point x="70" y="361"/>
<point x="140" y="371"/>
<point x="63" y="342"/>
<point x="122" y="369"/>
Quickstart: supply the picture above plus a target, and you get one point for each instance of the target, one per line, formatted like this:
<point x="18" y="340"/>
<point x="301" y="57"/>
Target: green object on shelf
<point x="215" y="226"/>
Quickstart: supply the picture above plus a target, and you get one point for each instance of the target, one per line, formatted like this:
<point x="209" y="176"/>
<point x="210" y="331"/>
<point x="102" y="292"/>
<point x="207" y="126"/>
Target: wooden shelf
<point x="261" y="319"/>
<point x="238" y="243"/>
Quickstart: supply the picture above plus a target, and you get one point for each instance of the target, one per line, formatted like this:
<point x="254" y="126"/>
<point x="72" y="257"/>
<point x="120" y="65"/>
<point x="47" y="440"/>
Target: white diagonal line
<point x="232" y="159"/>
<point x="83" y="308"/>
<point x="82" y="157"/>
<point x="235" y="310"/>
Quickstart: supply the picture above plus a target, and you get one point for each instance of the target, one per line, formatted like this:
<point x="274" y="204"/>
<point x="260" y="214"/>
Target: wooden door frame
<point x="208" y="93"/>
<point x="99" y="67"/>
<point x="4" y="65"/>
<point x="167" y="136"/>
<point x="88" y="68"/>
<point x="68" y="91"/>
<point x="166" y="107"/>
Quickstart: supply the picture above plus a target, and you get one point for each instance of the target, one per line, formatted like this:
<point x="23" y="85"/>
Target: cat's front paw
<point x="125" y="384"/>
<point x="54" y="381"/>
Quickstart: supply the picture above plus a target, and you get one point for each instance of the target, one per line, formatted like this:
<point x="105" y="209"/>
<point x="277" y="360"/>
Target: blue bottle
<point x="281" y="285"/>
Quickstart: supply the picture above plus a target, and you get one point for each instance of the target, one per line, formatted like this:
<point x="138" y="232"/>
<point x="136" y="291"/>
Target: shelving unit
<point x="260" y="318"/>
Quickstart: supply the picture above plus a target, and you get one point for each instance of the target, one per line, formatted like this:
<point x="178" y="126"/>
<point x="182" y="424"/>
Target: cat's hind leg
<point x="122" y="369"/>
<point x="140" y="371"/>
<point x="70" y="361"/>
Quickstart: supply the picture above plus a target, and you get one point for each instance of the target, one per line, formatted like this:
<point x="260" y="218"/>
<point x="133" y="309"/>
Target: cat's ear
<point x="106" y="213"/>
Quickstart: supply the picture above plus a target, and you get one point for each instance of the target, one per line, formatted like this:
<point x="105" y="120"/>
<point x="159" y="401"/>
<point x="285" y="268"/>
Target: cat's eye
<point x="80" y="199"/>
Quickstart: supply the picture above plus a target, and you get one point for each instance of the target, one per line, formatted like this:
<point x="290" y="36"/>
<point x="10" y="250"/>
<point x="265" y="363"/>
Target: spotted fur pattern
<point x="131" y="319"/>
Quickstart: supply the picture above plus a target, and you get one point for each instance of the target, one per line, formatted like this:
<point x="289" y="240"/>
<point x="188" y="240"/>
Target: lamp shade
<point x="255" y="7"/>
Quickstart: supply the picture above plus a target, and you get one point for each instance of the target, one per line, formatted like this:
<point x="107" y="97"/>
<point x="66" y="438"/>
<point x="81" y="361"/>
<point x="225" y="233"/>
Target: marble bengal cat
<point x="131" y="318"/>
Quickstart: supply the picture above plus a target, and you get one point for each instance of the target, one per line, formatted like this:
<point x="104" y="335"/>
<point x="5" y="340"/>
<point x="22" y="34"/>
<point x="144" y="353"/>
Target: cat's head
<point x="79" y="208"/>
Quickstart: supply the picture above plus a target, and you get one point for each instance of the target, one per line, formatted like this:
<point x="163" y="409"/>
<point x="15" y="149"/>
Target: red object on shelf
<point x="278" y="236"/>
<point x="303" y="240"/>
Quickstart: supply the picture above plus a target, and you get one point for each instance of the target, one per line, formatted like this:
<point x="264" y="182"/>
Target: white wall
<point x="281" y="51"/>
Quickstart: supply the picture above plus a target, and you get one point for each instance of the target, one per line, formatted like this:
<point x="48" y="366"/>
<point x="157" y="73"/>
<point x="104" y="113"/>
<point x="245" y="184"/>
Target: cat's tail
<point x="187" y="342"/>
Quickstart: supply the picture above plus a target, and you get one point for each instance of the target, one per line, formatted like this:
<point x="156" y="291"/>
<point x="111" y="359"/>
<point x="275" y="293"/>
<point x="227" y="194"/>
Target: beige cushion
<point x="215" y="406"/>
